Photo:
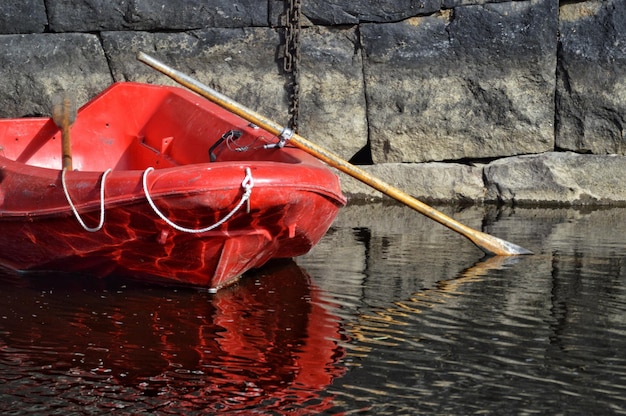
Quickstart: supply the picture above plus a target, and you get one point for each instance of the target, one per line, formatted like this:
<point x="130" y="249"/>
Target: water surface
<point x="390" y="314"/>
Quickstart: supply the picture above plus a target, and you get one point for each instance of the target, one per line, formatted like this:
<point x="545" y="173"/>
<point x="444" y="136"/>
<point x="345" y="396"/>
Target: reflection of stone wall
<point x="394" y="81"/>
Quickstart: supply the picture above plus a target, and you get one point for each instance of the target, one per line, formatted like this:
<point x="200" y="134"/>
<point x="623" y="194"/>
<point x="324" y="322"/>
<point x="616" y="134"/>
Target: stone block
<point x="473" y="82"/>
<point x="332" y="96"/>
<point x="350" y="12"/>
<point x="557" y="178"/>
<point x="450" y="4"/>
<point x="23" y="16"/>
<point x="98" y="15"/>
<point x="591" y="74"/>
<point x="34" y="67"/>
<point x="433" y="182"/>
<point x="240" y="63"/>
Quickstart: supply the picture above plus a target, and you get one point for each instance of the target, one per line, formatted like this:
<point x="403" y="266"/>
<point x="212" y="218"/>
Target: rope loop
<point x="247" y="184"/>
<point x="75" y="211"/>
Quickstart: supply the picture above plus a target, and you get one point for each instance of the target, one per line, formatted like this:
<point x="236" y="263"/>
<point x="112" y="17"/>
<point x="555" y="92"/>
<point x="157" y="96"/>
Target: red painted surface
<point x="128" y="128"/>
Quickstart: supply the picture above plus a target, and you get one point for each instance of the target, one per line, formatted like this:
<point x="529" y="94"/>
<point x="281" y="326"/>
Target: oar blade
<point x="64" y="115"/>
<point x="63" y="109"/>
<point x="496" y="246"/>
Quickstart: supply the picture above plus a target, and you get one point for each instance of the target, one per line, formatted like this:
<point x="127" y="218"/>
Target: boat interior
<point x="132" y="126"/>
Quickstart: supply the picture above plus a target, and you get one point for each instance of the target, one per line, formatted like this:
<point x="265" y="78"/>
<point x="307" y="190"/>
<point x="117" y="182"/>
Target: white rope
<point x="75" y="211"/>
<point x="247" y="184"/>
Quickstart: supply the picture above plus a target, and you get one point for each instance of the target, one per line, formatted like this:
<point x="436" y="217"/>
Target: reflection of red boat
<point x="269" y="343"/>
<point x="179" y="165"/>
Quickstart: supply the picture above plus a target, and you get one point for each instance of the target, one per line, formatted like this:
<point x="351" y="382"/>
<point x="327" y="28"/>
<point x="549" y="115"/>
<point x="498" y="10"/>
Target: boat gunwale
<point x="161" y="193"/>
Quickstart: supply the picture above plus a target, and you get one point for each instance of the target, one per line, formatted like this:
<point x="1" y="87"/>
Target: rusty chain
<point x="291" y="59"/>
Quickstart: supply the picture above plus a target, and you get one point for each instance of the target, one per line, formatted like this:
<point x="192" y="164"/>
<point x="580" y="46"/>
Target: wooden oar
<point x="488" y="243"/>
<point x="64" y="115"/>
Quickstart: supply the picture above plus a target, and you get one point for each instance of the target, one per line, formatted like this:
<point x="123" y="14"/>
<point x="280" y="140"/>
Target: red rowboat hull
<point x="130" y="128"/>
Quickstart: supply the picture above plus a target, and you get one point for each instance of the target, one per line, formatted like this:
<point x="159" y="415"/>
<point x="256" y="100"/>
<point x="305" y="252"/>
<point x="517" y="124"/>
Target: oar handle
<point x="488" y="243"/>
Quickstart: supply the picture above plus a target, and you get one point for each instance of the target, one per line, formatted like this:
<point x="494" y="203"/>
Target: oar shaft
<point x="374" y="182"/>
<point x="67" y="147"/>
<point x="486" y="242"/>
<point x="63" y="118"/>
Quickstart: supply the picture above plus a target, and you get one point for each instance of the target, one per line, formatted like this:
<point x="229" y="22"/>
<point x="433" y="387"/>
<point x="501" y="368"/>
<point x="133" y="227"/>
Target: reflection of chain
<point x="291" y="59"/>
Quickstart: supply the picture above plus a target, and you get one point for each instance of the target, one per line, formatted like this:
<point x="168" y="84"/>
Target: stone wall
<point x="453" y="100"/>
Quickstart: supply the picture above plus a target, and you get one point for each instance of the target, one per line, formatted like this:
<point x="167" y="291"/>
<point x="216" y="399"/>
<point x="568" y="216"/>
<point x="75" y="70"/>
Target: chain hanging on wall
<point x="291" y="59"/>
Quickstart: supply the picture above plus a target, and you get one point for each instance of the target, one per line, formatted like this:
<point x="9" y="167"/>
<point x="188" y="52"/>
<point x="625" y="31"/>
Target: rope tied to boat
<point x="247" y="184"/>
<point x="75" y="211"/>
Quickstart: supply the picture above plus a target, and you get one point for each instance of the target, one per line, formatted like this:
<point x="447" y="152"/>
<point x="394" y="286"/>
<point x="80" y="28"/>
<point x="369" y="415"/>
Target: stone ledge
<point x="548" y="179"/>
<point x="429" y="182"/>
<point x="558" y="178"/>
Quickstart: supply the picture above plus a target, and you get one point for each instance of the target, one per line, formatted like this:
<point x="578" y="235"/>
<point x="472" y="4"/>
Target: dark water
<point x="390" y="314"/>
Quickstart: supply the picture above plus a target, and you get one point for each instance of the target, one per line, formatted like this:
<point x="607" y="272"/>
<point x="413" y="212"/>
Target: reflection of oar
<point x="63" y="116"/>
<point x="486" y="242"/>
<point x="475" y="272"/>
<point x="375" y="328"/>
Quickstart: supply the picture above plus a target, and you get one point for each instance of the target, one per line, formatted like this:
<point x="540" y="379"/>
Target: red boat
<point x="165" y="186"/>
